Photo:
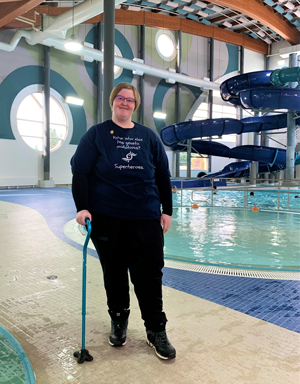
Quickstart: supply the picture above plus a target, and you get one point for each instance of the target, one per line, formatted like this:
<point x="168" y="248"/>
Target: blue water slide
<point x="254" y="90"/>
<point x="242" y="169"/>
<point x="274" y="98"/>
<point x="175" y="133"/>
<point x="231" y="88"/>
<point x="232" y="170"/>
<point x="237" y="169"/>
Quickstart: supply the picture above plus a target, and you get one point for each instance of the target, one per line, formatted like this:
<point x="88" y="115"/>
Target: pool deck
<point x="226" y="329"/>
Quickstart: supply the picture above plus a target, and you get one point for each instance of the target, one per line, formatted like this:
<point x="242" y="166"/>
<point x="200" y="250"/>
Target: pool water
<point x="233" y="198"/>
<point x="235" y="238"/>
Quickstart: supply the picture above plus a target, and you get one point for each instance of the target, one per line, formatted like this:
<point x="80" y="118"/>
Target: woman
<point x="120" y="179"/>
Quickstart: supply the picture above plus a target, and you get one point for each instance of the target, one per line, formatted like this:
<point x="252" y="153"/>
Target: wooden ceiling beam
<point x="257" y="10"/>
<point x="251" y="28"/>
<point x="10" y="10"/>
<point x="150" y="19"/>
<point x="224" y="17"/>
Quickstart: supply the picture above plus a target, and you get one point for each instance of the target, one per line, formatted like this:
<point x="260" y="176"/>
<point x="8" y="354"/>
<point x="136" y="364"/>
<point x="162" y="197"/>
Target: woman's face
<point x="122" y="108"/>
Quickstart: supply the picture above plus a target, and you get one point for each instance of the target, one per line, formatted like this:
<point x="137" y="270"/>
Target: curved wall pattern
<point x="28" y="75"/>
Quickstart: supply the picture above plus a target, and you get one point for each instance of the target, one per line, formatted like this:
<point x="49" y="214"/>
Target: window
<point x="117" y="70"/>
<point x="165" y="45"/>
<point x="30" y="121"/>
<point x="198" y="163"/>
<point x="202" y="112"/>
<point x="219" y="111"/>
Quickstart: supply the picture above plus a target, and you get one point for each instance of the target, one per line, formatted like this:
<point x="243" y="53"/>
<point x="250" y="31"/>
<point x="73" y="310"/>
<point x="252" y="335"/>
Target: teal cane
<point x="84" y="355"/>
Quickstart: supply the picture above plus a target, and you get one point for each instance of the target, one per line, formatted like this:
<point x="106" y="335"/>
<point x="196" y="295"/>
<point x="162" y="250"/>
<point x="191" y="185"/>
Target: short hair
<point x="121" y="86"/>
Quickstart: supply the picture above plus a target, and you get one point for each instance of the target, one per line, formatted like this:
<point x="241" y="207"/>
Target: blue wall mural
<point x="233" y="58"/>
<point x="126" y="51"/>
<point x="159" y="95"/>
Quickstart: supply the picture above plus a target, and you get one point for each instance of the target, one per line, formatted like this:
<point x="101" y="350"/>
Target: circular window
<point x="30" y="122"/>
<point x="117" y="70"/>
<point x="166" y="45"/>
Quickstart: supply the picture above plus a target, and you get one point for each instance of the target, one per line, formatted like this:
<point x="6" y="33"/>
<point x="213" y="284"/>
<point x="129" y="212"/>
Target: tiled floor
<point x="11" y="370"/>
<point x="220" y="325"/>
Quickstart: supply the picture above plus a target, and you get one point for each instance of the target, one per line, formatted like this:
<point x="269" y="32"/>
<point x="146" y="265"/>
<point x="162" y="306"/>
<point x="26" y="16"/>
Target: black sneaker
<point x="159" y="341"/>
<point x="119" y="324"/>
<point x="117" y="336"/>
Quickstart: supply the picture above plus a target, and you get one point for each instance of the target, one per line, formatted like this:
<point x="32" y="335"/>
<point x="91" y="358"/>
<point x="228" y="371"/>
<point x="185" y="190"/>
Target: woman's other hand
<point x="165" y="222"/>
<point x="81" y="215"/>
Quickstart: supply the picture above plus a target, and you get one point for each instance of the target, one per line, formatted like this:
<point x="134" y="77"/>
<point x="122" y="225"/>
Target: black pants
<point x="137" y="246"/>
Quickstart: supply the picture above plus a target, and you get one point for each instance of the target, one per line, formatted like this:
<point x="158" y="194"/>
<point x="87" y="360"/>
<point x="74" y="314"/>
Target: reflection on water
<point x="235" y="237"/>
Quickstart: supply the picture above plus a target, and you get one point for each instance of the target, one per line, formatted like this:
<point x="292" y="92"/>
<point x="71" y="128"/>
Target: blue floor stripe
<point x="275" y="301"/>
<point x="28" y="371"/>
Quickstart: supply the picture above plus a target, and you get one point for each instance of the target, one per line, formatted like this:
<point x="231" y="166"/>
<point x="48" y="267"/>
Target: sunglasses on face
<point x="129" y="100"/>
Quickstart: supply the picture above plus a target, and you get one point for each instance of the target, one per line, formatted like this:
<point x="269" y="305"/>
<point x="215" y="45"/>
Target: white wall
<point x="274" y="57"/>
<point x="60" y="168"/>
<point x="254" y="61"/>
<point x="14" y="170"/>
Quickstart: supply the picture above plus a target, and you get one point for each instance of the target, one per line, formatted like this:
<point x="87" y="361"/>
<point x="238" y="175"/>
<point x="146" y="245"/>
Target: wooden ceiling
<point x="244" y="22"/>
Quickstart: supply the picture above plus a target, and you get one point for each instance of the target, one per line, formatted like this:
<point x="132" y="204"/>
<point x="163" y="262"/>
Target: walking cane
<point x="83" y="355"/>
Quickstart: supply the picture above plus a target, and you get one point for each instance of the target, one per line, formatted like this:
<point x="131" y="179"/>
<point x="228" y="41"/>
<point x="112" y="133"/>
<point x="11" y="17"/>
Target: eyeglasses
<point x="122" y="99"/>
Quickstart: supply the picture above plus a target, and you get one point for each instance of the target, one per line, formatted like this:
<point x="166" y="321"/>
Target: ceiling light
<point x="159" y="115"/>
<point x="72" y="45"/>
<point x="74" y="100"/>
<point x="227" y="24"/>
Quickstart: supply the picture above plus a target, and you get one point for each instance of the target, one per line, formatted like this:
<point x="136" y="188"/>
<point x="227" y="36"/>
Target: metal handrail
<point x="246" y="187"/>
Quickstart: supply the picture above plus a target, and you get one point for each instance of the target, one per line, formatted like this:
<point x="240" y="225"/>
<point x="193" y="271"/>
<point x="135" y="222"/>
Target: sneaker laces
<point x="119" y="326"/>
<point x="161" y="338"/>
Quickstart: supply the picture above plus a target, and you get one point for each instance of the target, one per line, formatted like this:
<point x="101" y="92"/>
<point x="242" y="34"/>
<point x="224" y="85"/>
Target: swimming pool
<point x="235" y="198"/>
<point x="230" y="237"/>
